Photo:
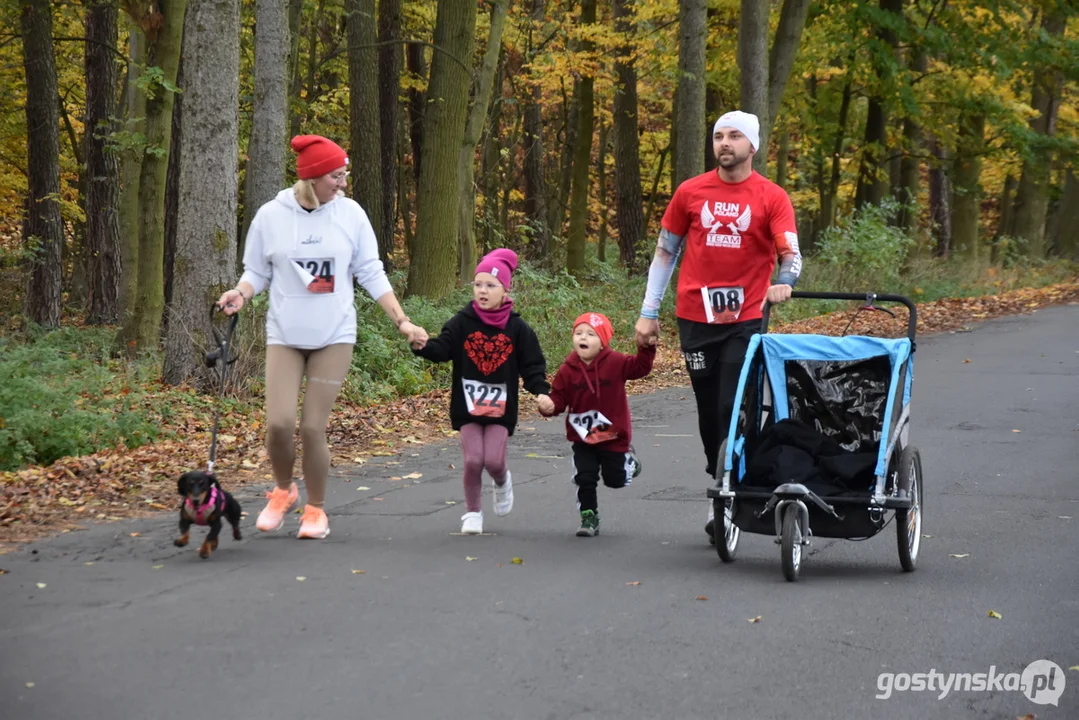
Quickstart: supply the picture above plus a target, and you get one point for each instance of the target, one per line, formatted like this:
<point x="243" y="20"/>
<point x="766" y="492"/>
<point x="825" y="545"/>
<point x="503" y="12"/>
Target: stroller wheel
<point x="908" y="522"/>
<point x="725" y="533"/>
<point x="792" y="543"/>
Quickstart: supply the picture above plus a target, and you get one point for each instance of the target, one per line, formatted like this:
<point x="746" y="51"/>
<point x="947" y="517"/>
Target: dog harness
<point x="204" y="511"/>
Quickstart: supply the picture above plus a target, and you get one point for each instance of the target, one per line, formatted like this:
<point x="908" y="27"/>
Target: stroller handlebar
<point x="868" y="298"/>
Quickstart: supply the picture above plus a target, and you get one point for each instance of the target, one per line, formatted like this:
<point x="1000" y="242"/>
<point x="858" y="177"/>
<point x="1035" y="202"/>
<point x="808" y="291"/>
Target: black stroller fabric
<point x="790" y="451"/>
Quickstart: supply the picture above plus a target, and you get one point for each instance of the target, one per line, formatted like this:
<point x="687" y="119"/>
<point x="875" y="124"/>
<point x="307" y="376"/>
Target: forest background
<point x="929" y="147"/>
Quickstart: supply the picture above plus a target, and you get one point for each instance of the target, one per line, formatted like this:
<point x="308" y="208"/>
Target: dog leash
<point x="219" y="354"/>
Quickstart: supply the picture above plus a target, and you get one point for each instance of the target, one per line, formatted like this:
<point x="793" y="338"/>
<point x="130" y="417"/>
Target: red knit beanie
<point x="317" y="156"/>
<point x="599" y="323"/>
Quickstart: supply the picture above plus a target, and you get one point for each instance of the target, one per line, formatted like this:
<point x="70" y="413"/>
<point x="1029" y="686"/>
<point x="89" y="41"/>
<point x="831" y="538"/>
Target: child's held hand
<point x="545" y="404"/>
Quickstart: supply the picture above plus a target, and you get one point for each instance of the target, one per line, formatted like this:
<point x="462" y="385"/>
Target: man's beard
<point x="732" y="160"/>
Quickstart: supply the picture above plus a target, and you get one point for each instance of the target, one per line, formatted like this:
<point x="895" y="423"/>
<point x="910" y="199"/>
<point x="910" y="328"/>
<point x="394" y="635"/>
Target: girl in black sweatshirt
<point x="490" y="347"/>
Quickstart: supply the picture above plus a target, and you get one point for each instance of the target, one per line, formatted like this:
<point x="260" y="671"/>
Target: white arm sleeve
<point x="660" y="271"/>
<point x="365" y="266"/>
<point x="257" y="271"/>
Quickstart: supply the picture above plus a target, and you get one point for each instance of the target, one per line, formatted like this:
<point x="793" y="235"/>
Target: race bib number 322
<point x="724" y="304"/>
<point x="485" y="399"/>
<point x="593" y="426"/>
<point x="321" y="271"/>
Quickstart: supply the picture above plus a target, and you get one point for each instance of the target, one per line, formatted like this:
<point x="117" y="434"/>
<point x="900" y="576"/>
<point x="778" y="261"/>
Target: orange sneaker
<point x="313" y="523"/>
<point x="272" y="516"/>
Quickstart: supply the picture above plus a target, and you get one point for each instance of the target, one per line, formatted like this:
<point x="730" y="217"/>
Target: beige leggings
<point x="286" y="368"/>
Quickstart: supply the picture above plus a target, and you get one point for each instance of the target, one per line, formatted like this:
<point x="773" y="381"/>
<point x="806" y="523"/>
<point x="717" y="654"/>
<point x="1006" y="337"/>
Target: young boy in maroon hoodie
<point x="591" y="386"/>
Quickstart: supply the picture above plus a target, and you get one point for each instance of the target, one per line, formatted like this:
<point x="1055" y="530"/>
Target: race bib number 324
<point x="321" y="271"/>
<point x="724" y="304"/>
<point x="485" y="399"/>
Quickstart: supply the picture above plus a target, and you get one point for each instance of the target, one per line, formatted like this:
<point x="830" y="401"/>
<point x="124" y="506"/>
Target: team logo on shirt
<point x="724" y="223"/>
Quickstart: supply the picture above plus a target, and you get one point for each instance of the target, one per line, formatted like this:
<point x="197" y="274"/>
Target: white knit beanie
<point x="743" y="122"/>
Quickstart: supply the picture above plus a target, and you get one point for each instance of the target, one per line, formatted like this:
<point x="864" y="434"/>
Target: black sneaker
<point x="589" y="524"/>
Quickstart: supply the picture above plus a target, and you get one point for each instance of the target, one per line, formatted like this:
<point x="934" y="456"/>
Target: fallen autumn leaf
<point x="413" y="476"/>
<point x="960" y="555"/>
<point x="470" y="558"/>
<point x="158" y="567"/>
<point x="301" y="578"/>
<point x="358" y="572"/>
<point x="634" y="583"/>
<point x="700" y="597"/>
<point x="994" y="614"/>
<point x="755" y="619"/>
<point x="517" y="561"/>
<point x="134" y="534"/>
<point x="42" y="586"/>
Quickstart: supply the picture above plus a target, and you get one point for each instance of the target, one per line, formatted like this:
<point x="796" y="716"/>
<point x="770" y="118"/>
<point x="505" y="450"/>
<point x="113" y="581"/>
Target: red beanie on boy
<point x="317" y="156"/>
<point x="599" y="323"/>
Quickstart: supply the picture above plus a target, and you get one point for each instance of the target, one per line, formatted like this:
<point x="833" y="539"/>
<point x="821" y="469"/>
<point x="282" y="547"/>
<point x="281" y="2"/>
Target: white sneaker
<point x="472" y="523"/>
<point x="504" y="496"/>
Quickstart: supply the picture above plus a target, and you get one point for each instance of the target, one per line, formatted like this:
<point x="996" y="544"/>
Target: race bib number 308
<point x="724" y="304"/>
<point x="485" y="399"/>
<point x="317" y="273"/>
<point x="593" y="427"/>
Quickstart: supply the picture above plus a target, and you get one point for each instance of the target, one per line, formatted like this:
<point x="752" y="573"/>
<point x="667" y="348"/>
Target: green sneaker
<point x="589" y="524"/>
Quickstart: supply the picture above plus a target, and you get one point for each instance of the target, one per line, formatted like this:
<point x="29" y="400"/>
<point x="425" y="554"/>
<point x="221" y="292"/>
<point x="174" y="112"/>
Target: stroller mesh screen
<point x="843" y="399"/>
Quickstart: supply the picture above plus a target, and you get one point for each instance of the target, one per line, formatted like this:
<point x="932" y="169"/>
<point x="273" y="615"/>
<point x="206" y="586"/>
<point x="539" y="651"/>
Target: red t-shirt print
<point x="733" y="234"/>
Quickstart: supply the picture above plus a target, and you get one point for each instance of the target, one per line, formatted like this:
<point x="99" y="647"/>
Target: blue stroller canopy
<point x="778" y="349"/>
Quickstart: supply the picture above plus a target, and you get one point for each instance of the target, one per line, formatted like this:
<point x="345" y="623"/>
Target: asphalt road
<point x="641" y="622"/>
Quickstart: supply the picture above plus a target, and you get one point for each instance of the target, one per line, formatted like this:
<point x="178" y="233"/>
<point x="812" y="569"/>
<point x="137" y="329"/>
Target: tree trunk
<point x="1005" y="225"/>
<point x="792" y="21"/>
<point x="389" y="88"/>
<point x="466" y="162"/>
<point x="582" y="159"/>
<point x="570" y="108"/>
<point x="491" y="163"/>
<point x="43" y="230"/>
<point x="295" y="17"/>
<point x="1032" y="198"/>
<point x="689" y="112"/>
<point x="939" y="214"/>
<point x="365" y="125"/>
<point x="535" y="182"/>
<point x="430" y="274"/>
<point x="142" y="323"/>
<point x="753" y="63"/>
<point x="1066" y="242"/>
<point x="781" y="158"/>
<point x="627" y="155"/>
<point x="910" y="171"/>
<point x="102" y="167"/>
<point x="172" y="193"/>
<point x="134" y="108"/>
<point x="601" y="181"/>
<point x="206" y="221"/>
<point x="417" y="102"/>
<point x="831" y="188"/>
<point x="966" y="190"/>
<point x="872" y="172"/>
<point x="265" y="174"/>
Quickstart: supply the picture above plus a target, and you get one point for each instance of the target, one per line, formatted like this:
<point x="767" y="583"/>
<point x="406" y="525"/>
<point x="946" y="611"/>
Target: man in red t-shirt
<point x="732" y="224"/>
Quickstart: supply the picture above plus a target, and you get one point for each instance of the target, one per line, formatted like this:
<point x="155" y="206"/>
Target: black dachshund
<point x="205" y="503"/>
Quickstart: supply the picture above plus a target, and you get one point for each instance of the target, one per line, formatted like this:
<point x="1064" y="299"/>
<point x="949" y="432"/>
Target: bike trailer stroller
<point x="818" y="443"/>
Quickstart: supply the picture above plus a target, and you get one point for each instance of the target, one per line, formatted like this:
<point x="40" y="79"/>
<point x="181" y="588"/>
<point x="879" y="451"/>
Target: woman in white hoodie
<point x="307" y="245"/>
